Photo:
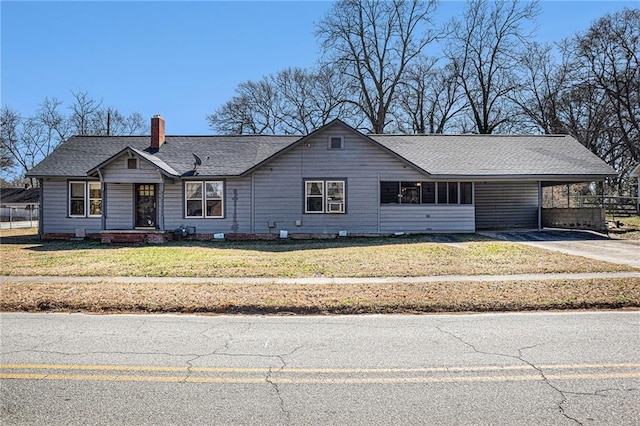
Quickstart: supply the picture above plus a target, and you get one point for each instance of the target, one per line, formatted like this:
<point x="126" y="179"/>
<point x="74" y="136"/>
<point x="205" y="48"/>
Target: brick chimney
<point x="157" y="131"/>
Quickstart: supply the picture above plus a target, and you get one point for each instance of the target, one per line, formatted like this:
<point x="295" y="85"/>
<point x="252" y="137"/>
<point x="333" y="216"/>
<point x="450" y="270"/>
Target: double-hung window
<point x="324" y="196"/>
<point x="85" y="199"/>
<point x="95" y="199"/>
<point x="204" y="199"/>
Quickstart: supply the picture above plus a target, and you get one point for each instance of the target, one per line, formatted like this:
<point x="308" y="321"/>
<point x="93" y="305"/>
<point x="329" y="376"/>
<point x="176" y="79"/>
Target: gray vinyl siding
<point x="237" y="208"/>
<point x="117" y="172"/>
<point x="506" y="204"/>
<point x="119" y="212"/>
<point x="427" y="218"/>
<point x="279" y="185"/>
<point x="54" y="216"/>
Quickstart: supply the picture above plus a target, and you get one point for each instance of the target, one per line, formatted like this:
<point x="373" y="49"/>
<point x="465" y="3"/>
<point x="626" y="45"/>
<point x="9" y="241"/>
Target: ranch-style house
<point x="333" y="181"/>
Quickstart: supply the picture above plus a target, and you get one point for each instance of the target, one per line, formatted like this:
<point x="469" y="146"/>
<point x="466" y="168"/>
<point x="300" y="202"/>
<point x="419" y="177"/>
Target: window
<point x="410" y="192"/>
<point x="77" y="199"/>
<point x="394" y="192"/>
<point x="428" y="192"/>
<point x="389" y="192"/>
<point x="204" y="199"/>
<point x="314" y="197"/>
<point x="336" y="142"/>
<point x="324" y="196"/>
<point x="442" y="192"/>
<point x="453" y="192"/>
<point x="466" y="193"/>
<point x="335" y="196"/>
<point x="95" y="199"/>
<point x="132" y="163"/>
<point x="85" y="199"/>
<point x="213" y="199"/>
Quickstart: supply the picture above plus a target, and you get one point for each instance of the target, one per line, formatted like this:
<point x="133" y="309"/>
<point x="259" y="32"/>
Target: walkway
<point x="322" y="280"/>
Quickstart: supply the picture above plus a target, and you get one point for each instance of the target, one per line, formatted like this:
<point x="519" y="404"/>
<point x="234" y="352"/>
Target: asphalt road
<point x="529" y="368"/>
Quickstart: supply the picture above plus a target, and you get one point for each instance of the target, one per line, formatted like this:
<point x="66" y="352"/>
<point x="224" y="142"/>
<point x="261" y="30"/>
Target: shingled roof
<point x="464" y="156"/>
<point x="221" y="155"/>
<point x="496" y="155"/>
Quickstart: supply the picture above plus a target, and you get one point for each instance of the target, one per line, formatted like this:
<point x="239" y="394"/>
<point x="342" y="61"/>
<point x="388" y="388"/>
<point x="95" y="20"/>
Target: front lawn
<point x="24" y="254"/>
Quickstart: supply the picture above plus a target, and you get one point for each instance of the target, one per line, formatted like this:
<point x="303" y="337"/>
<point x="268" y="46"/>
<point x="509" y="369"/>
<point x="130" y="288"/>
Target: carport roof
<point x="497" y="155"/>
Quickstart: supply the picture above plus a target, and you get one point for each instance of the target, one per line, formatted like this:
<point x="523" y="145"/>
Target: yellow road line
<point x="313" y="370"/>
<point x="312" y="380"/>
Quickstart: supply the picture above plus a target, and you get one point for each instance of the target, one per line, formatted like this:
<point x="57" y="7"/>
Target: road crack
<point x="269" y="379"/>
<point x="274" y="384"/>
<point x="563" y="394"/>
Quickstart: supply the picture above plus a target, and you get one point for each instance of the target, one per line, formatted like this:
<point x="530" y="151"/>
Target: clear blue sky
<point x="182" y="59"/>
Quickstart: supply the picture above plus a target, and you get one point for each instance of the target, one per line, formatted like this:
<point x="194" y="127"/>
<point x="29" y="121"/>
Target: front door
<point x="146" y="206"/>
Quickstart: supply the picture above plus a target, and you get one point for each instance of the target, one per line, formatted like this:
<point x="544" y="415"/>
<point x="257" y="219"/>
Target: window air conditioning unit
<point x="335" y="207"/>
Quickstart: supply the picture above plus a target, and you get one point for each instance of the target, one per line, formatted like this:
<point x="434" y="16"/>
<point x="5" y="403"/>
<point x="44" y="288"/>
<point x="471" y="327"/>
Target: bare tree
<point x="253" y="110"/>
<point x="293" y="101"/>
<point x="545" y="84"/>
<point x="111" y="122"/>
<point x="50" y="116"/>
<point x="134" y="124"/>
<point x="429" y="98"/>
<point x="372" y="42"/>
<point x="83" y="112"/>
<point x="606" y="59"/>
<point x="484" y="48"/>
<point x="234" y="117"/>
<point x="25" y="141"/>
<point x="9" y="122"/>
<point x="610" y="54"/>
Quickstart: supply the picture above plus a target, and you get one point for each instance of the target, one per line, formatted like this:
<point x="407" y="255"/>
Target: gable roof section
<point x="163" y="167"/>
<point x="221" y="155"/>
<point x="334" y="122"/>
<point x="494" y="156"/>
<point x="74" y="157"/>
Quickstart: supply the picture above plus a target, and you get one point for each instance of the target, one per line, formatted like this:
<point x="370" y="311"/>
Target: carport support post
<point x="539" y="205"/>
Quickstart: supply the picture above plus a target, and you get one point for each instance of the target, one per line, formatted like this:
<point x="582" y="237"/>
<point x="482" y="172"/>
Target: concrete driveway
<point x="580" y="243"/>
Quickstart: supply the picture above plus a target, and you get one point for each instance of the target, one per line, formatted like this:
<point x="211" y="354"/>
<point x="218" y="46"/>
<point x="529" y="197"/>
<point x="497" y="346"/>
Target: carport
<point x="531" y="204"/>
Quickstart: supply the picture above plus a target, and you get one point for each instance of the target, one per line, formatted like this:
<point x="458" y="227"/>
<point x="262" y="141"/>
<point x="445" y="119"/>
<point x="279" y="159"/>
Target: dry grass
<point x="630" y="227"/>
<point x="358" y="257"/>
<point x="108" y="297"/>
<point x="23" y="254"/>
